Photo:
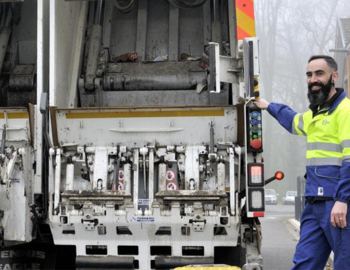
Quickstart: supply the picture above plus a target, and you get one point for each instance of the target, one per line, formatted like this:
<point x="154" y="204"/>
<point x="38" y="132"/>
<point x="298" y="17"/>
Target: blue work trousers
<point x="318" y="237"/>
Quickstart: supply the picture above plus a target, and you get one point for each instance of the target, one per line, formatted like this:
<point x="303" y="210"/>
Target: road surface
<point x="279" y="237"/>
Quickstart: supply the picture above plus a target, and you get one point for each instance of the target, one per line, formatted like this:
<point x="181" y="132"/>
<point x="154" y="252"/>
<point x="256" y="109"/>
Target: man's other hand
<point x="338" y="214"/>
<point x="261" y="103"/>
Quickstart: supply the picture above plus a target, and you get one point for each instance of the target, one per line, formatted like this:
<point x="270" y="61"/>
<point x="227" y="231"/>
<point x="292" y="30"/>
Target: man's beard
<point x="318" y="97"/>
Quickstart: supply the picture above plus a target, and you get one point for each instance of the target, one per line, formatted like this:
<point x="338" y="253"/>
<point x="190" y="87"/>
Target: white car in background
<point x="290" y="197"/>
<point x="270" y="196"/>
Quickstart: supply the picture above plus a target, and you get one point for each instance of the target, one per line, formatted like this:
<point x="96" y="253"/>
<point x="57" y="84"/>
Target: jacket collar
<point x="336" y="102"/>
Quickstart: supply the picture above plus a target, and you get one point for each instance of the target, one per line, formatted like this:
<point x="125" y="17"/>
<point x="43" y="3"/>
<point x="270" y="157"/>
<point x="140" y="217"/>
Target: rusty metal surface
<point x="153" y="98"/>
<point x="22" y="79"/>
<point x="154" y="76"/>
<point x="191" y="193"/>
<point x="11" y="108"/>
<point x="95" y="193"/>
<point x="20" y="98"/>
<point x="202" y="199"/>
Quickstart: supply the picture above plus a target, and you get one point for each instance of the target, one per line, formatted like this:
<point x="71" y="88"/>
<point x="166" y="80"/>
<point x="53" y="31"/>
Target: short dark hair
<point x="330" y="61"/>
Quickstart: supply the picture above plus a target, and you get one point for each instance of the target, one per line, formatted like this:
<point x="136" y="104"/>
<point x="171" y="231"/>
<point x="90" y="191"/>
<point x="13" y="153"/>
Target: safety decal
<point x="143" y="202"/>
<point x="143" y="219"/>
<point x="14" y="115"/>
<point x="171" y="186"/>
<point x="15" y="180"/>
<point x="121" y="179"/>
<point x="121" y="174"/>
<point x="170" y="175"/>
<point x="121" y="185"/>
<point x="245" y="19"/>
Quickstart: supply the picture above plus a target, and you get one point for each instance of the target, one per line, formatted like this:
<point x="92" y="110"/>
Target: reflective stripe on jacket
<point x="328" y="146"/>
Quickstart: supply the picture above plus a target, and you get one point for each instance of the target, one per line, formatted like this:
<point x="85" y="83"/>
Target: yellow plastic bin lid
<point x="208" y="267"/>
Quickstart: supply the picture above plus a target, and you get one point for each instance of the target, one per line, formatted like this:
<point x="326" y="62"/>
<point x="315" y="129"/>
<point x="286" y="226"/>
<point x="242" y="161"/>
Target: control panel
<point x="254" y="131"/>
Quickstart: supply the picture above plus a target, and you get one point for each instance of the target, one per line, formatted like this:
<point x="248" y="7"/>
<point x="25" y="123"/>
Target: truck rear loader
<point x="129" y="137"/>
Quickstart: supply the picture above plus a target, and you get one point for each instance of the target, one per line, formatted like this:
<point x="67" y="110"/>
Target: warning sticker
<point x="143" y="202"/>
<point x="121" y="174"/>
<point x="170" y="175"/>
<point x="15" y="180"/>
<point x="144" y="219"/>
<point x="121" y="185"/>
<point x="171" y="186"/>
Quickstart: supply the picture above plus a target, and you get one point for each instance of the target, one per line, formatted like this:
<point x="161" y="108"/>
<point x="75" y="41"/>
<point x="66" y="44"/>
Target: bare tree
<point x="290" y="32"/>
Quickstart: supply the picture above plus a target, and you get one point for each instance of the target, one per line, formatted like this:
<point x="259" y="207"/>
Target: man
<point x="325" y="222"/>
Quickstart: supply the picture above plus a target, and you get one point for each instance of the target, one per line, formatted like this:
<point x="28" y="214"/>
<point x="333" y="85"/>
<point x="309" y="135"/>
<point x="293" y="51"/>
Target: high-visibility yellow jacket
<point x="328" y="146"/>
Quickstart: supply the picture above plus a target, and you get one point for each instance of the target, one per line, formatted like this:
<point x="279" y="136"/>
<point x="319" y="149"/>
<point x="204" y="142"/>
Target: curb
<point x="294" y="223"/>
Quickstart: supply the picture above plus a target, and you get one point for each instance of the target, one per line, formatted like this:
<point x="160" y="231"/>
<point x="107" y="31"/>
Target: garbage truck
<point x="129" y="135"/>
<point x="18" y="63"/>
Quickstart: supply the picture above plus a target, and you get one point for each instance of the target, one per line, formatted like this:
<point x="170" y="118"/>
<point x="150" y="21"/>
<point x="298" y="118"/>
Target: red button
<point x="256" y="144"/>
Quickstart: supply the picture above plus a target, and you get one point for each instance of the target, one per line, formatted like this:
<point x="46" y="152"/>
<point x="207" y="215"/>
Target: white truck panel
<point x="167" y="126"/>
<point x="16" y="176"/>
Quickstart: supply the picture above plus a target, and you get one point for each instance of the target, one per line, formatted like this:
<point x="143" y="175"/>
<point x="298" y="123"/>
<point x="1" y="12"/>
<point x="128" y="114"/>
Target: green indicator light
<point x="256" y="129"/>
